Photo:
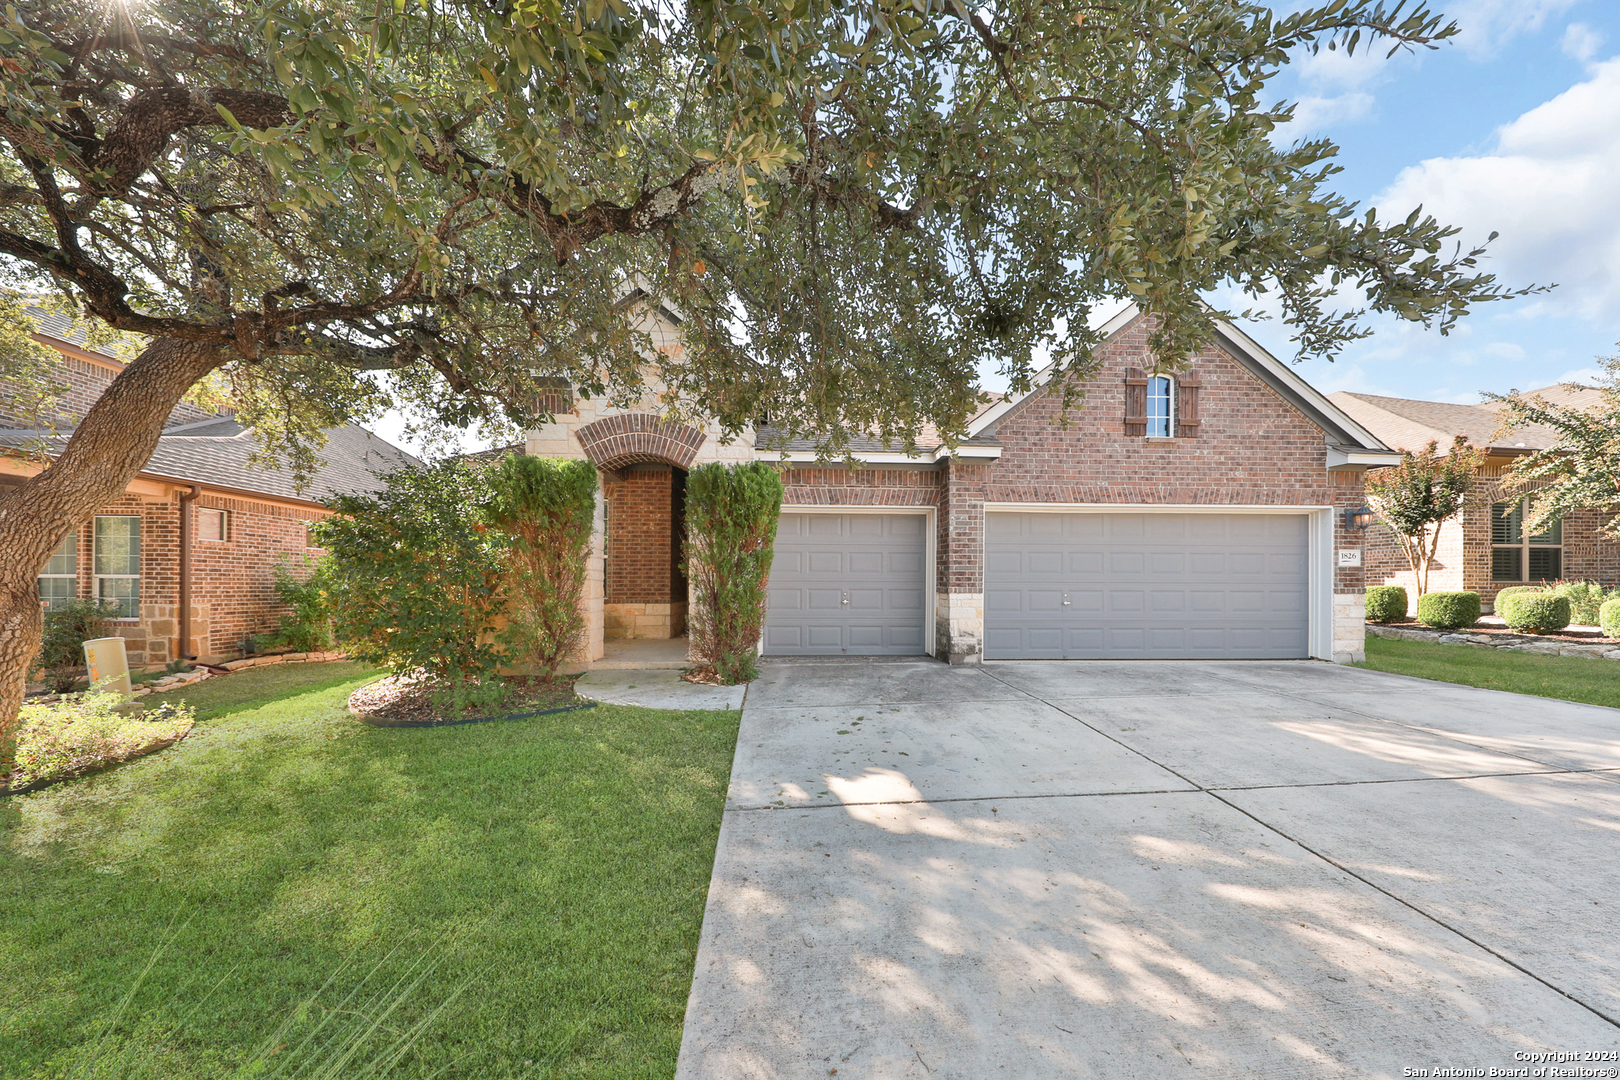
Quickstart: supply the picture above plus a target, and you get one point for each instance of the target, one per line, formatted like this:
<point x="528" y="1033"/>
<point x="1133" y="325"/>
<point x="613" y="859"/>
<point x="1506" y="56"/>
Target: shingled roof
<point x="1410" y="424"/>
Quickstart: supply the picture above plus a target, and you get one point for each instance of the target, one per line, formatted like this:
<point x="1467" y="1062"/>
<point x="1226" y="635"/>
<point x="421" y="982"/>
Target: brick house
<point x="1485" y="548"/>
<point x="190" y="549"/>
<point x="1199" y="515"/>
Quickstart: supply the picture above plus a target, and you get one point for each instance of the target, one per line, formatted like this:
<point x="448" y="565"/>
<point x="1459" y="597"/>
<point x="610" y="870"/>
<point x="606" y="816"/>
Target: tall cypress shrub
<point x="546" y="506"/>
<point x="731" y="514"/>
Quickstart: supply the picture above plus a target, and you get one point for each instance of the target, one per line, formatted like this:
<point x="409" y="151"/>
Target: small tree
<point x="416" y="573"/>
<point x="1581" y="469"/>
<point x="546" y="508"/>
<point x="1420" y="495"/>
<point x="67" y="628"/>
<point x="307" y="627"/>
<point x="731" y="518"/>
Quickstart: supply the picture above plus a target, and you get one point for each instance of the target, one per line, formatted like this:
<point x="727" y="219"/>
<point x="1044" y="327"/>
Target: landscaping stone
<point x="1539" y="648"/>
<point x="1593" y="651"/>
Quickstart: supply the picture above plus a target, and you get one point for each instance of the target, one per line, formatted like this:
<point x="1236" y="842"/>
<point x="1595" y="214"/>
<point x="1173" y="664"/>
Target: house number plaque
<point x="1349" y="556"/>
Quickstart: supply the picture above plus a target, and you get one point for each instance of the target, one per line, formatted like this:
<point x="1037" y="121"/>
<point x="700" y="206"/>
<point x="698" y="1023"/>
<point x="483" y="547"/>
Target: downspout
<point x="183" y="652"/>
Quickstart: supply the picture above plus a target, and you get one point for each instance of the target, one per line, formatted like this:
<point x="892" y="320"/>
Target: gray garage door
<point x="1145" y="586"/>
<point x="847" y="584"/>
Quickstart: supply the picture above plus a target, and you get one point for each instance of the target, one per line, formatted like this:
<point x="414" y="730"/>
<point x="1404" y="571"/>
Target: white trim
<point x="876" y="457"/>
<point x="930" y="554"/>
<point x="1153" y="508"/>
<point x="1339" y="457"/>
<point x="1319" y="549"/>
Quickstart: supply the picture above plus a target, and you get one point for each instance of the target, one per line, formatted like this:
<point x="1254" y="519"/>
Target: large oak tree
<point x="850" y="203"/>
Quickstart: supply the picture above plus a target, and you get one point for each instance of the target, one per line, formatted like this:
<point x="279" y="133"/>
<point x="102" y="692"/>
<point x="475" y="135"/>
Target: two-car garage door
<point x="1145" y="586"/>
<point x="1057" y="585"/>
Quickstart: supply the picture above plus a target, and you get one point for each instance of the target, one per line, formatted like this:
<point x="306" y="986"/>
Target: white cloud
<point x="1314" y="113"/>
<point x="1586" y="375"/>
<point x="1548" y="188"/>
<point x="1581" y="41"/>
<point x="1484" y="26"/>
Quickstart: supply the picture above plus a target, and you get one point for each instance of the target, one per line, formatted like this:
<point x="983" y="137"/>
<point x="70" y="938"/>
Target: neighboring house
<point x="190" y="550"/>
<point x="1195" y="515"/>
<point x="1485" y="548"/>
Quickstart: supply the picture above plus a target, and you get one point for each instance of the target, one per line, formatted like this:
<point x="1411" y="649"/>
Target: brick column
<point x="959" y="611"/>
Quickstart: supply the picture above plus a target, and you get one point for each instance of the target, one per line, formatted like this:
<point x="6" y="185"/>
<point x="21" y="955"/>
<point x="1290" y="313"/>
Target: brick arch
<point x="636" y="438"/>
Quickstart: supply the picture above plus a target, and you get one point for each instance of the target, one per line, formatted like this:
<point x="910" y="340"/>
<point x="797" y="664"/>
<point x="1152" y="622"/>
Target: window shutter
<point x="1135" y="401"/>
<point x="1187" y="388"/>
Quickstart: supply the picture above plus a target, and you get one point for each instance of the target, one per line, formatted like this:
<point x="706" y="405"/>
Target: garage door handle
<point x="1065" y="599"/>
<point x="845" y="600"/>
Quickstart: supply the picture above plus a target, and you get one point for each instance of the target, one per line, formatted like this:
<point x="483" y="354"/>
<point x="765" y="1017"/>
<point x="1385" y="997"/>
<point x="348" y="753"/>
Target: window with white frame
<point x="213" y="524"/>
<point x="59" y="581"/>
<point x="118" y="562"/>
<point x="1517" y="556"/>
<point x="1160" y="407"/>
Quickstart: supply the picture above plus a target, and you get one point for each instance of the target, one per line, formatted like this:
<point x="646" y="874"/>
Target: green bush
<point x="60" y="663"/>
<point x="1609" y="618"/>
<point x="1585" y="598"/>
<point x="1448" y="610"/>
<point x="417" y="573"/>
<point x="1543" y="610"/>
<point x="1510" y="591"/>
<point x="546" y="508"/>
<point x="1386" y="603"/>
<point x="731" y="515"/>
<point x="308" y="626"/>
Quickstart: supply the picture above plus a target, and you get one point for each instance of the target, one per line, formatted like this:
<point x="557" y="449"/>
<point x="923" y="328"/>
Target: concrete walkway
<point x="655" y="688"/>
<point x="1150" y="869"/>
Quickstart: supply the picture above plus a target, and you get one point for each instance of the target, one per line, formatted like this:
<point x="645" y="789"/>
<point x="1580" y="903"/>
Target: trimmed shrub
<point x="1386" y="603"/>
<point x="417" y="573"/>
<point x="731" y="515"/>
<point x="1609" y="617"/>
<point x="546" y="507"/>
<point x="1512" y="590"/>
<point x="1543" y="610"/>
<point x="1585" y="597"/>
<point x="60" y="663"/>
<point x="308" y="626"/>
<point x="1448" y="610"/>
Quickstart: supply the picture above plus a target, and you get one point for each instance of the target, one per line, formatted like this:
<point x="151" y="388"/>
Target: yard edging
<point x="1526" y="643"/>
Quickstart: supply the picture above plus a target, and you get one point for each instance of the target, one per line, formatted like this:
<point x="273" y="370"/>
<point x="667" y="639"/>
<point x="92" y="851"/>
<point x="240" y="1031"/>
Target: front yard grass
<point x="1568" y="678"/>
<point x="555" y="868"/>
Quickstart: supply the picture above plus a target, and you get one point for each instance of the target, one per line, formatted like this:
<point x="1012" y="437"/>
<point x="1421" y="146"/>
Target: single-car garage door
<point x="847" y="584"/>
<point x="1070" y="586"/>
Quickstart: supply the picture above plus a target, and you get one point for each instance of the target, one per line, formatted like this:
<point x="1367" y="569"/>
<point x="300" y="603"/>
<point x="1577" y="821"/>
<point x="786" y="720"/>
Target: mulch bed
<point x="1567" y="636"/>
<point x="408" y="701"/>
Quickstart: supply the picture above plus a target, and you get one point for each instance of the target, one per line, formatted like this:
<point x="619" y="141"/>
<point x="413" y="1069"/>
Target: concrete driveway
<point x="1147" y="869"/>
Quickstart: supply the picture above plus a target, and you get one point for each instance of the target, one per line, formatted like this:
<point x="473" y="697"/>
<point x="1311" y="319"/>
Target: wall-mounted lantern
<point x="1359" y="518"/>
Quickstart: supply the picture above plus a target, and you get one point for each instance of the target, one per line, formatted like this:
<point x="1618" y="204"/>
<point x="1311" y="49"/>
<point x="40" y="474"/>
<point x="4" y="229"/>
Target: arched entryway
<point x="643" y="459"/>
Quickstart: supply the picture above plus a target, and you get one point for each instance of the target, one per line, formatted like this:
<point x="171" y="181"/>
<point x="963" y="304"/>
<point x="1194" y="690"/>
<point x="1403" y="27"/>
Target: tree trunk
<point x="109" y="447"/>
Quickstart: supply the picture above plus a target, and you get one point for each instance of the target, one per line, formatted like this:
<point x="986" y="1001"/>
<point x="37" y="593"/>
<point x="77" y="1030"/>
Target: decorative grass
<point x="1567" y="678"/>
<point x="554" y="869"/>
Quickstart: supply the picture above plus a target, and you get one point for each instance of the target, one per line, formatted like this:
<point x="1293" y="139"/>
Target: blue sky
<point x="1512" y="126"/>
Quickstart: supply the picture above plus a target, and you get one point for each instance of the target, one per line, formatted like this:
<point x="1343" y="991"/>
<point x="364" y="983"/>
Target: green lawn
<point x="1568" y="678"/>
<point x="555" y="869"/>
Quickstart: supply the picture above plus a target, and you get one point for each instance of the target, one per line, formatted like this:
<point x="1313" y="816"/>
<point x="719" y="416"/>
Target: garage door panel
<point x="1146" y="585"/>
<point x="849" y="583"/>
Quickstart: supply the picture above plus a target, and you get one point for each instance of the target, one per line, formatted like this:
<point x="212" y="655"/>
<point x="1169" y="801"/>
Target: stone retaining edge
<point x="1528" y="643"/>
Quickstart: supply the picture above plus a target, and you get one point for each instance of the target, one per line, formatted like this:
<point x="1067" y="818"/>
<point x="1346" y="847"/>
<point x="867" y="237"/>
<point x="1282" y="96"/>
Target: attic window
<point x="1160" y="406"/>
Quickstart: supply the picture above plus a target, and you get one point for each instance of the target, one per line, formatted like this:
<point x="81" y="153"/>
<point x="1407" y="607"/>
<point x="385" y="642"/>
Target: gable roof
<point x="1353" y="441"/>
<point x="1410" y="423"/>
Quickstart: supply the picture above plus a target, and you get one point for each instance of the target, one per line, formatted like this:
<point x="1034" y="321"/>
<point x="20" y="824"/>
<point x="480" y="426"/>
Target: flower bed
<point x="69" y="737"/>
<point x="415" y="699"/>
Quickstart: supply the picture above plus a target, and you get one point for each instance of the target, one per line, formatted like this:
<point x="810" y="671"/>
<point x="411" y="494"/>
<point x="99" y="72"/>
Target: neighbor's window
<point x="1517" y="557"/>
<point x="1160" y="407"/>
<point x="213" y="524"/>
<point x="118" y="563"/>
<point x="59" y="581"/>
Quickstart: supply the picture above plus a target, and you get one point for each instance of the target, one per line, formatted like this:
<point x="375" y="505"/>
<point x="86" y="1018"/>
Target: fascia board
<point x="1339" y="457"/>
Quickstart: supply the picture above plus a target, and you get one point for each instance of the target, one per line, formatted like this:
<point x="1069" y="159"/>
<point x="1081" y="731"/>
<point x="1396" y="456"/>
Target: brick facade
<point x="645" y="590"/>
<point x="232" y="581"/>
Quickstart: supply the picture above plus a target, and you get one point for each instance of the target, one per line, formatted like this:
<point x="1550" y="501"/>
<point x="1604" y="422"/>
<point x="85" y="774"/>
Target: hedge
<point x="1386" y="603"/>
<point x="731" y="515"/>
<point x="1534" y="611"/>
<point x="1448" y="610"/>
<point x="1609" y="617"/>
